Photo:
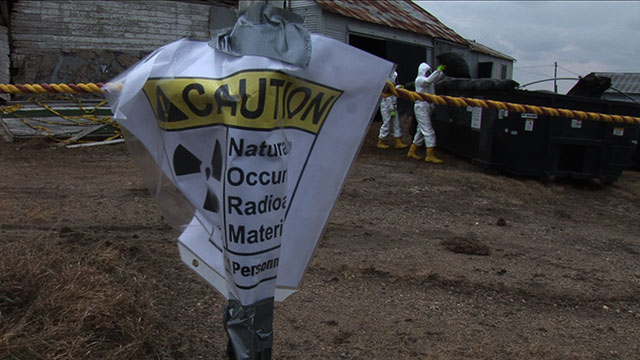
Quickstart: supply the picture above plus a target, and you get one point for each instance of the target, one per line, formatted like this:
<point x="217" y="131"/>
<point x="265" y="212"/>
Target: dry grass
<point x="55" y="306"/>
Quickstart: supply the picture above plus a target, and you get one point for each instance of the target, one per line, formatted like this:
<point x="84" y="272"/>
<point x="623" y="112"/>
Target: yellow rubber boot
<point x="431" y="157"/>
<point x="399" y="144"/>
<point x="412" y="152"/>
<point x="382" y="145"/>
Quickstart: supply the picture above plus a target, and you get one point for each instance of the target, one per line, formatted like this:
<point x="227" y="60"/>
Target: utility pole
<point x="555" y="76"/>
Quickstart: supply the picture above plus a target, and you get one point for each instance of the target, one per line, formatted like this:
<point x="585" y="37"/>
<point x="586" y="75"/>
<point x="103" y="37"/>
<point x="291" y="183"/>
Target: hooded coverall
<point x="389" y="112"/>
<point x="425" y="84"/>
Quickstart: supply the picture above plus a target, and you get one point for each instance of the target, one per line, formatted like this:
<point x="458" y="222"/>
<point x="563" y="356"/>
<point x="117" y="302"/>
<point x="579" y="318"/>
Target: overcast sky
<point x="581" y="36"/>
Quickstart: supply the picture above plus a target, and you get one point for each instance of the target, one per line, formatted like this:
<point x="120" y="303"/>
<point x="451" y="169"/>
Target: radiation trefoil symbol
<point x="185" y="163"/>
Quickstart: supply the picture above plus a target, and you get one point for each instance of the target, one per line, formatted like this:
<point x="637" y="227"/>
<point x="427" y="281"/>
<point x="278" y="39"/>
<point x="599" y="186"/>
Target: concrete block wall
<point x="4" y="55"/>
<point x="5" y="77"/>
<point x="70" y="41"/>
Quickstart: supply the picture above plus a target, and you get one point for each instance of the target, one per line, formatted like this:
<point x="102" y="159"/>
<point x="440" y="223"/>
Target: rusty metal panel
<point x="401" y="14"/>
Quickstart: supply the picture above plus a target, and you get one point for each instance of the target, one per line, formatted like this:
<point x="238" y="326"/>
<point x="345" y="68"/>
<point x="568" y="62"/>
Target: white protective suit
<point x="425" y="84"/>
<point x="389" y="112"/>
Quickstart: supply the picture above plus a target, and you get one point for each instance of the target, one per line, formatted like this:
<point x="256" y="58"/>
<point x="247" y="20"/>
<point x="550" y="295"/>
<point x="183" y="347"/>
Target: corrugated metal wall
<point x="473" y="64"/>
<point x="335" y="27"/>
<point x="311" y="13"/>
<point x="92" y="41"/>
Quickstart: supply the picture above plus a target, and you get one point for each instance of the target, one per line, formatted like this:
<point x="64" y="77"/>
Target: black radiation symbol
<point x="186" y="163"/>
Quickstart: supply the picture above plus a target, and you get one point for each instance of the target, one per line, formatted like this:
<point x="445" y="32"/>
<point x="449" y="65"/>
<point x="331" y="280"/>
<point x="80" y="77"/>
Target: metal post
<point x="250" y="330"/>
<point x="555" y="76"/>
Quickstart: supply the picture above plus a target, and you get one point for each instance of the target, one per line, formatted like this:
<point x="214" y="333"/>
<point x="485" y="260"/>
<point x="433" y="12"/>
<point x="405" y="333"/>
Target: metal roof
<point x="628" y="83"/>
<point x="399" y="14"/>
<point x="476" y="46"/>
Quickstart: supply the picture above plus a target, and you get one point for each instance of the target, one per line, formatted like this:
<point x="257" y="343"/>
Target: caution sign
<point x="259" y="150"/>
<point x="250" y="99"/>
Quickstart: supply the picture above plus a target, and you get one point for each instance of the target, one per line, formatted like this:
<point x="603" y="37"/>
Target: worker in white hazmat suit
<point x="389" y="112"/>
<point x="425" y="81"/>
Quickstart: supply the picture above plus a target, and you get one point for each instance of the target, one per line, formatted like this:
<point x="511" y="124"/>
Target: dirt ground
<point x="419" y="261"/>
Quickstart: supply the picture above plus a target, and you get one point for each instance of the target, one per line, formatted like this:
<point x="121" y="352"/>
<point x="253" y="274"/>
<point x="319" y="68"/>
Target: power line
<point x="567" y="70"/>
<point x="547" y="65"/>
<point x="533" y="66"/>
<point x="534" y="73"/>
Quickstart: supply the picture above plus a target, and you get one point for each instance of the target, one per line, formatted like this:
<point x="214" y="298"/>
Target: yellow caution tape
<point x="391" y="90"/>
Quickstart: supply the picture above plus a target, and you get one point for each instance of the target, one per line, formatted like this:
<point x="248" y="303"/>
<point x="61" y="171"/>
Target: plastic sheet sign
<point x="259" y="148"/>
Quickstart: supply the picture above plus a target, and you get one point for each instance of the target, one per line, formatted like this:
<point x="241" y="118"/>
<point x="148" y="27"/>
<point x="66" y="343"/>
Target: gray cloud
<point x="582" y="36"/>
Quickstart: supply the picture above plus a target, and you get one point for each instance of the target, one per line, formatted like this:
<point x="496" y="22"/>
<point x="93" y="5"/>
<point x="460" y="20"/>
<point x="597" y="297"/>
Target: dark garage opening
<point x="407" y="58"/>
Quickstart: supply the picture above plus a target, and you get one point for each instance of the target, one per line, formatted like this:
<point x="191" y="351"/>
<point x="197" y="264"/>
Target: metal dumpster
<point x="527" y="144"/>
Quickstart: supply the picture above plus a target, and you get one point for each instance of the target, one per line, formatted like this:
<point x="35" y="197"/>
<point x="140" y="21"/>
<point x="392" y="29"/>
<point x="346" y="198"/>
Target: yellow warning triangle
<point x="166" y="110"/>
